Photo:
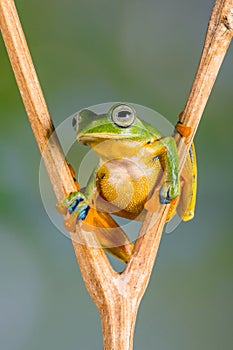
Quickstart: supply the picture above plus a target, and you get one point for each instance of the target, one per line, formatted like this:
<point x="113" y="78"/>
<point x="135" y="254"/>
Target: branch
<point x="90" y="259"/>
<point x="218" y="38"/>
<point x="117" y="296"/>
<point x="217" y="41"/>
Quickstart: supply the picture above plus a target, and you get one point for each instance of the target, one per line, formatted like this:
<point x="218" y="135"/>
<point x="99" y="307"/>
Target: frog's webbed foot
<point x="169" y="191"/>
<point x="75" y="203"/>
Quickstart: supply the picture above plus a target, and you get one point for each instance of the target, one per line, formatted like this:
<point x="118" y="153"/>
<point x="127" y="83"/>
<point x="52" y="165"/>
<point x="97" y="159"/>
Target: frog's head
<point x="120" y="122"/>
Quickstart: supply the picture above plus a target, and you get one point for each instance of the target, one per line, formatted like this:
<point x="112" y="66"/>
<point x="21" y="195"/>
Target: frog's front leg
<point x="77" y="203"/>
<point x="110" y="236"/>
<point x="166" y="151"/>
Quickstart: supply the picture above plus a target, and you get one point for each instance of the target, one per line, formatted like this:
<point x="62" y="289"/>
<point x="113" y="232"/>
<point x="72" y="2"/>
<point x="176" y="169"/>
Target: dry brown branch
<point x="117" y="296"/>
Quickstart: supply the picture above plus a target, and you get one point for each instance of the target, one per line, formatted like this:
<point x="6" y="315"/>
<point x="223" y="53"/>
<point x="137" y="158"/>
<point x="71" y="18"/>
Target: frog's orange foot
<point x="182" y="129"/>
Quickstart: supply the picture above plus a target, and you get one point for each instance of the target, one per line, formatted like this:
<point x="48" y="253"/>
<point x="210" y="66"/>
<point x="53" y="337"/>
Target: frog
<point x="137" y="170"/>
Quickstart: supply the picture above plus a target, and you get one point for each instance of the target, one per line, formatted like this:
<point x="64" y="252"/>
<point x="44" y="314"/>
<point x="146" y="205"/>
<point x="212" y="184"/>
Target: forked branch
<point x="117" y="296"/>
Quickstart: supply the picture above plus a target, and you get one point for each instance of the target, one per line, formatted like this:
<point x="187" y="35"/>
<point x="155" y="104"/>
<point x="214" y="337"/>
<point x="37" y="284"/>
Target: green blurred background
<point x="94" y="51"/>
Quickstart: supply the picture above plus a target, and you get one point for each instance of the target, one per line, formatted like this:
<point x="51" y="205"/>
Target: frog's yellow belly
<point x="125" y="186"/>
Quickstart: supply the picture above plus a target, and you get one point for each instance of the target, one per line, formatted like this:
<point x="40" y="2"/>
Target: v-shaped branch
<point x="117" y="296"/>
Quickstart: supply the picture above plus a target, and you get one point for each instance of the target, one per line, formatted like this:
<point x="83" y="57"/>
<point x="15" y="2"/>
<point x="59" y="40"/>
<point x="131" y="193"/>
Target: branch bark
<point x="117" y="296"/>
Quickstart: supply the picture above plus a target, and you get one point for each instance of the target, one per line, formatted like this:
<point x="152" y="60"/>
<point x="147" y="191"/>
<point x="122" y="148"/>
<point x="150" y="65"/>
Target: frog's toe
<point x="82" y="211"/>
<point x="163" y="200"/>
<point x="72" y="208"/>
<point x="164" y="197"/>
<point x="167" y="193"/>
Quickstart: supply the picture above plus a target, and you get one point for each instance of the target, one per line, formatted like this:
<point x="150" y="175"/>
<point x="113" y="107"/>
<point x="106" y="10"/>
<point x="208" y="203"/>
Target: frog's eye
<point x="123" y="115"/>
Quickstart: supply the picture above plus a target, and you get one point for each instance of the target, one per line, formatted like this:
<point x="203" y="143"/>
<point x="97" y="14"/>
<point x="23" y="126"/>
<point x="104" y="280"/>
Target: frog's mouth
<point x="87" y="139"/>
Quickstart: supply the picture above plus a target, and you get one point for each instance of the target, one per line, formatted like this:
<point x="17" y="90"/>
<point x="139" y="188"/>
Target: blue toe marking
<point x="163" y="200"/>
<point x="82" y="216"/>
<point x="83" y="213"/>
<point x="74" y="205"/>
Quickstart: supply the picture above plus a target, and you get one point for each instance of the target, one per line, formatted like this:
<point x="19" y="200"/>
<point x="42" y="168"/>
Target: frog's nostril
<point x="74" y="122"/>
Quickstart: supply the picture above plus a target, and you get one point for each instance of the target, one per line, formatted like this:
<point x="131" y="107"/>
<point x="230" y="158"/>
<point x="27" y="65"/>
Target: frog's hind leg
<point x="109" y="234"/>
<point x="188" y="181"/>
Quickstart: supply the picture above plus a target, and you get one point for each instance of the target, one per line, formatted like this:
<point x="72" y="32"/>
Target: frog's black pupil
<point x="74" y="122"/>
<point x="123" y="114"/>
